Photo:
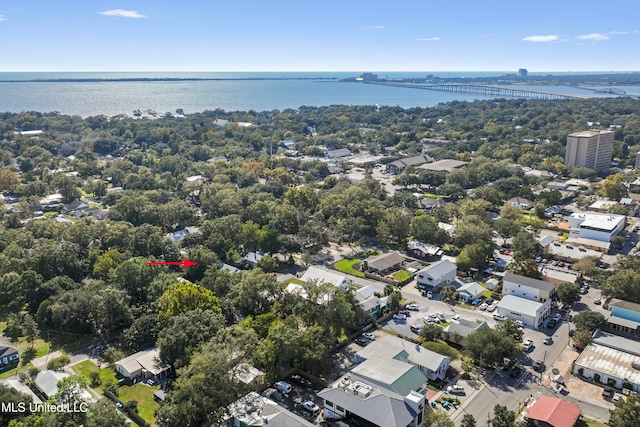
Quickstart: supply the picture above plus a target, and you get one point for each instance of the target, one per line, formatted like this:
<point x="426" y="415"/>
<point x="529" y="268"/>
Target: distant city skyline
<point x="286" y="35"/>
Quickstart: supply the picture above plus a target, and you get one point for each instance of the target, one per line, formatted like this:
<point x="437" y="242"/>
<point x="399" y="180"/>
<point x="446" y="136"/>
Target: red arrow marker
<point x="184" y="263"/>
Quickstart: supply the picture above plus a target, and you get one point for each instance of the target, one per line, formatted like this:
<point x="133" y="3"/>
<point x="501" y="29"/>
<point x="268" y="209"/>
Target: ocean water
<point x="102" y="93"/>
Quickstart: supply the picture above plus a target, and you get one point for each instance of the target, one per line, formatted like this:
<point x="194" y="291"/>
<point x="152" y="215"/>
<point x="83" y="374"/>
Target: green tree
<point x="568" y="292"/>
<point x="614" y="187"/>
<point x="582" y="337"/>
<point x="489" y="347"/>
<point x="9" y="180"/>
<point x="185" y="296"/>
<point x="506" y="227"/>
<point x="104" y="414"/>
<point x="589" y="321"/>
<point x="107" y="263"/>
<point x="524" y="246"/>
<point x="510" y="328"/>
<point x="431" y="332"/>
<point x="395" y="300"/>
<point x="626" y="412"/>
<point x="448" y="293"/>
<point x="502" y="417"/>
<point x="10" y="396"/>
<point x="468" y="421"/>
<point x="438" y="418"/>
<point x="184" y="334"/>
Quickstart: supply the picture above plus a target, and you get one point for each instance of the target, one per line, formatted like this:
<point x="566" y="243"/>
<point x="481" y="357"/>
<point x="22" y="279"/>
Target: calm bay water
<point x="231" y="91"/>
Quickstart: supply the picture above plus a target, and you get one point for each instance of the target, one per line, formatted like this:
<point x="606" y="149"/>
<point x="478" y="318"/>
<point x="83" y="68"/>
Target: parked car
<point x="429" y="294"/>
<point x="538" y="366"/>
<point x="515" y="371"/>
<point x="551" y="324"/>
<point x="490" y="301"/>
<point x="368" y="335"/>
<point x="455" y="317"/>
<point x="616" y="397"/>
<point x="440" y="316"/>
<point x="283" y="386"/>
<point x="399" y="316"/>
<point x="557" y="316"/>
<point x="483" y="306"/>
<point x="429" y="319"/>
<point x="527" y="344"/>
<point x="455" y="389"/>
<point x="597" y="301"/>
<point x="548" y="341"/>
<point x="498" y="317"/>
<point x="362" y="341"/>
<point x="519" y="323"/>
<point x="607" y="393"/>
<point x="415" y="329"/>
<point x="477" y="301"/>
<point x="413" y="307"/>
<point x="310" y="406"/>
<point x="491" y="308"/>
<point x="507" y="252"/>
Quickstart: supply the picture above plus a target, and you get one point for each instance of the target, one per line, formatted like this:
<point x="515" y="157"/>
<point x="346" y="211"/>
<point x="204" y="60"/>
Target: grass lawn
<point x="143" y="394"/>
<point x="85" y="368"/>
<point x="292" y="280"/>
<point x="401" y="275"/>
<point x="346" y="266"/>
<point x="486" y="293"/>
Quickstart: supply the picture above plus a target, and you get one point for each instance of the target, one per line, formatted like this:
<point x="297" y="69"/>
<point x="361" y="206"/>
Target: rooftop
<point x="445" y="165"/>
<point x="385" y="261"/>
<point x="396" y="375"/>
<point x="555" y="412"/>
<point x="323" y="276"/>
<point x="519" y="305"/>
<point x="615" y="362"/>
<point x="439" y="268"/>
<point x="528" y="281"/>
<point x="627" y="305"/>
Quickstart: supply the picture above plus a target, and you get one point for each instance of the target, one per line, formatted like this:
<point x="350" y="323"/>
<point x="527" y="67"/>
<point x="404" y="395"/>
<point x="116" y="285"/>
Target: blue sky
<point x="327" y="35"/>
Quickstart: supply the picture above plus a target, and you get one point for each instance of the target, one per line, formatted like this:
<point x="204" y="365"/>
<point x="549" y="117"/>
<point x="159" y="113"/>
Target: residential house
<point x="338" y="153"/>
<point x="530" y="312"/>
<point x="436" y="275"/>
<point x="367" y="403"/>
<point x="384" y="264"/>
<point x="470" y="291"/>
<point x="520" y="202"/>
<point x="601" y="205"/>
<point x="320" y="275"/>
<point x="449" y="228"/>
<point x="251" y="259"/>
<point x="22" y="388"/>
<point x="549" y="411"/>
<point x="444" y="165"/>
<point x="429" y="205"/>
<point x="254" y="410"/>
<point x="423" y="250"/>
<point x="492" y="283"/>
<point x="47" y="382"/>
<point x="399" y="165"/>
<point x="143" y="364"/>
<point x="611" y="359"/>
<point x="8" y="354"/>
<point x="457" y="332"/>
<point x="527" y="287"/>
<point x="433" y="365"/>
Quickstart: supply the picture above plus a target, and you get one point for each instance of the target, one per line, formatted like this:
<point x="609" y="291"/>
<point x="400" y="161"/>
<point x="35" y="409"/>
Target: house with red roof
<point x="553" y="412"/>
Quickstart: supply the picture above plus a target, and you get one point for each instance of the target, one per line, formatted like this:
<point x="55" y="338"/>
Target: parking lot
<point x="301" y="390"/>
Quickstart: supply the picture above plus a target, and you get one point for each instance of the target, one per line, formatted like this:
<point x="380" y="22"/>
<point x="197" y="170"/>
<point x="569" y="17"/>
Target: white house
<point x="435" y="276"/>
<point x="531" y="313"/>
<point x="520" y="202"/>
<point x="595" y="225"/>
<point x="527" y="287"/>
<point x="143" y="364"/>
<point x="320" y="275"/>
<point x="470" y="291"/>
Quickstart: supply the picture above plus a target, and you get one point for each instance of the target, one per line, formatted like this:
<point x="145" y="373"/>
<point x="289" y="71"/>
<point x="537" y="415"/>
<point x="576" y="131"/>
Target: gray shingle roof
<point x="384" y="261"/>
<point x="528" y="281"/>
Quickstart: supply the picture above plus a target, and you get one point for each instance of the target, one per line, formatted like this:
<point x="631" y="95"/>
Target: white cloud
<point x="618" y="32"/>
<point x="430" y="39"/>
<point x="541" y="39"/>
<point x="593" y="36"/>
<point x="3" y="18"/>
<point x="122" y="13"/>
<point x="374" y="27"/>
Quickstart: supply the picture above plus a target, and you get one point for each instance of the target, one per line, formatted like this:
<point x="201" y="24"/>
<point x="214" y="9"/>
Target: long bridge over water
<point x="487" y="90"/>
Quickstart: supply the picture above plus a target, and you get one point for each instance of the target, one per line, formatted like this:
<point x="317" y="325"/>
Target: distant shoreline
<point x="162" y="79"/>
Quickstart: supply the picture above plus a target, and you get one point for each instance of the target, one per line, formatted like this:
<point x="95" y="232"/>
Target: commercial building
<point x="257" y="411"/>
<point x="398" y="166"/>
<point x="444" y="165"/>
<point x="595" y="225"/>
<point x="436" y="275"/>
<point x="531" y="313"/>
<point x="592" y="149"/>
<point x="611" y="360"/>
<point x="527" y="288"/>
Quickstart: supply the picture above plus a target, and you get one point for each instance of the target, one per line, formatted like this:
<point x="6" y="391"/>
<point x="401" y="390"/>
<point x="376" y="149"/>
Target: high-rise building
<point x="522" y="72"/>
<point x="592" y="149"/>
